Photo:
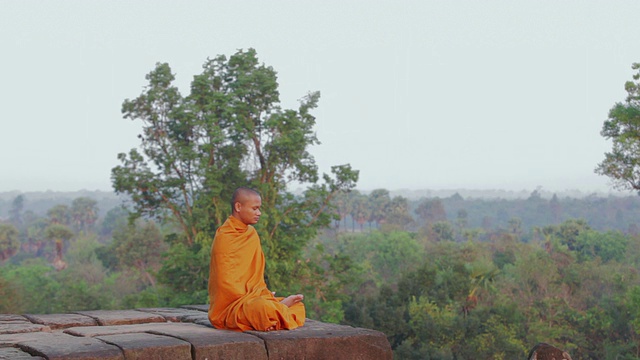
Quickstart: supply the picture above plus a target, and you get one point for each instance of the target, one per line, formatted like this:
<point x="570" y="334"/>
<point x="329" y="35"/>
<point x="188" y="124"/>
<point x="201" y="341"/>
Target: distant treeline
<point x="40" y="202"/>
<point x="370" y="209"/>
<point x="361" y="211"/>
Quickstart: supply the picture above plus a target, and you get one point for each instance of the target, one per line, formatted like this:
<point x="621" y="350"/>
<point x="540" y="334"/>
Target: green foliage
<point x="568" y="232"/>
<point x="146" y="298"/>
<point x="431" y="211"/>
<point x="490" y="298"/>
<point x="379" y="200"/>
<point x="229" y="131"/>
<point x="9" y="241"/>
<point x="324" y="279"/>
<point x="397" y="215"/>
<point x="81" y="288"/>
<point x="496" y="300"/>
<point x="31" y="286"/>
<point x="609" y="246"/>
<point x="634" y="307"/>
<point x="502" y="258"/>
<point x="385" y="311"/>
<point x="58" y="232"/>
<point x="16" y="210"/>
<point x="385" y="256"/>
<point x="59" y="214"/>
<point x="186" y="270"/>
<point x="139" y="245"/>
<point x="84" y="213"/>
<point x="622" y="164"/>
<point x="114" y="218"/>
<point x="440" y="231"/>
<point x="9" y="303"/>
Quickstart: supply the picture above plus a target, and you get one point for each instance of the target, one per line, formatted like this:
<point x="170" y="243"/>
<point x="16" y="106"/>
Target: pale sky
<point x="415" y="94"/>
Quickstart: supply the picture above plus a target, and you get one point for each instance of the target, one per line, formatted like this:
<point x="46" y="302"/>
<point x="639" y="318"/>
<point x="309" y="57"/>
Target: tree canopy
<point x="622" y="163"/>
<point x="229" y="131"/>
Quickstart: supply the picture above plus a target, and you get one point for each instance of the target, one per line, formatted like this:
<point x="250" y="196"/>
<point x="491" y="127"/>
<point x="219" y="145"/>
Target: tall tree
<point x="15" y="213"/>
<point x="84" y="213"/>
<point x="360" y="209"/>
<point x="59" y="214"/>
<point x="622" y="164"/>
<point x="9" y="241"/>
<point x="112" y="220"/>
<point x="229" y="131"/>
<point x="398" y="216"/>
<point x="139" y="245"/>
<point x="379" y="201"/>
<point x="431" y="211"/>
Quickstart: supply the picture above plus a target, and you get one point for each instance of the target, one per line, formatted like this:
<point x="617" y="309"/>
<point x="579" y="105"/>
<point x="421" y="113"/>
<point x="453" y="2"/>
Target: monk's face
<point x="248" y="209"/>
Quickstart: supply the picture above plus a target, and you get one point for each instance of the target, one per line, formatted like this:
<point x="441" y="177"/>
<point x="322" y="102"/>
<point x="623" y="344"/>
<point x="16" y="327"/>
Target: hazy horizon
<point x="416" y="95"/>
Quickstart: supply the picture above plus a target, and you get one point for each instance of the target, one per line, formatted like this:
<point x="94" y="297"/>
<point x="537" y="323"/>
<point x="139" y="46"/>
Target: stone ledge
<point x="176" y="333"/>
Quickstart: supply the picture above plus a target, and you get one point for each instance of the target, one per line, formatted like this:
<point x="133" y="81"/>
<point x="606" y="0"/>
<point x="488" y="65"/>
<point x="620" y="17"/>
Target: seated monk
<point x="238" y="295"/>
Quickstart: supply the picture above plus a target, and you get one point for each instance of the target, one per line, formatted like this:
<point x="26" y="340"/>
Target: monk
<point x="238" y="295"/>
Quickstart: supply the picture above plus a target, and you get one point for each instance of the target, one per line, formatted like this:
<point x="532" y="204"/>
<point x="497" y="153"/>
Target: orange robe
<point x="238" y="296"/>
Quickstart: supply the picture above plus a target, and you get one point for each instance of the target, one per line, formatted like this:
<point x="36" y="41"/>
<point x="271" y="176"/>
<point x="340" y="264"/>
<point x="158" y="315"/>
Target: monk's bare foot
<point x="292" y="300"/>
<point x="271" y="328"/>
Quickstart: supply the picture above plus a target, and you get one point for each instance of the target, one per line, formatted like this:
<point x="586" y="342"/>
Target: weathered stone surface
<point x="200" y="315"/>
<point x="62" y="321"/>
<point x="203" y="321"/>
<point x="544" y="351"/>
<point x="121" y="317"/>
<point x="176" y="315"/>
<point x="12" y="318"/>
<point x="318" y="340"/>
<point x="59" y="346"/>
<point x="13" y="324"/>
<point x="146" y="334"/>
<point x="92" y="331"/>
<point x="204" y="307"/>
<point x="149" y="346"/>
<point x="16" y="354"/>
<point x="209" y="343"/>
<point x="8" y="340"/>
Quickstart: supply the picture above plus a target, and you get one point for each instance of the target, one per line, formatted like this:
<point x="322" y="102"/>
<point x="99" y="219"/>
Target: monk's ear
<point x="236" y="206"/>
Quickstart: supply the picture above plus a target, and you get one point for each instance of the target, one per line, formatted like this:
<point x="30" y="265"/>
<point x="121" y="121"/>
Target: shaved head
<point x="241" y="194"/>
<point x="245" y="205"/>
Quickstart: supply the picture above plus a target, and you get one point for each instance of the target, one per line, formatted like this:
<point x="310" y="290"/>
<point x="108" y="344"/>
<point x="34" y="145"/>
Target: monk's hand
<point x="292" y="299"/>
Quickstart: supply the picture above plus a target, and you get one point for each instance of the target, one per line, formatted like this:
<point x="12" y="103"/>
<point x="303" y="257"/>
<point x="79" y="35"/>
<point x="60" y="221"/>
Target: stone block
<point x="320" y="341"/>
<point x="145" y="333"/>
<point x="62" y="321"/>
<point x="141" y="346"/>
<point x="15" y="324"/>
<point x="121" y="317"/>
<point x="17" y="354"/>
<point x="8" y="340"/>
<point x="92" y="331"/>
<point x="60" y="346"/>
<point x="213" y="344"/>
<point x="12" y="318"/>
<point x="175" y="315"/>
<point x="204" y="307"/>
<point x="201" y="320"/>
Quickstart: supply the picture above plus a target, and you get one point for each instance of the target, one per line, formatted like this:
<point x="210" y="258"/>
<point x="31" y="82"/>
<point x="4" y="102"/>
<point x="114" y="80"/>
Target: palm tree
<point x="58" y="233"/>
<point x="84" y="212"/>
<point x="481" y="280"/>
